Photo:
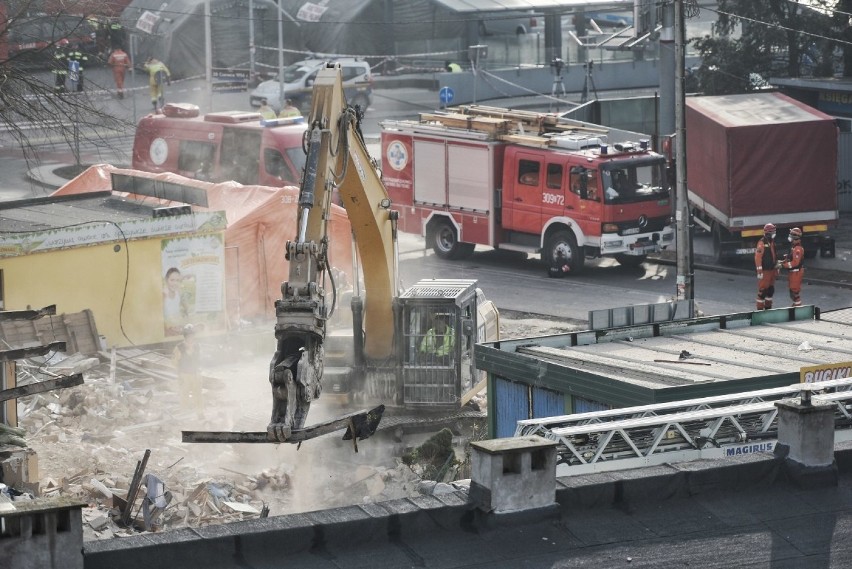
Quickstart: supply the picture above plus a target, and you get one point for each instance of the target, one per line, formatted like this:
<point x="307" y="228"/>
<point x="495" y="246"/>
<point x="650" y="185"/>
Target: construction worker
<point x="266" y="112"/>
<point x="452" y="67"/>
<point x="187" y="359"/>
<point x="766" y="264"/>
<point x="60" y="66"/>
<point x="794" y="263"/>
<point x="120" y="63"/>
<point x="438" y="343"/>
<point x="289" y="111"/>
<point x="158" y="74"/>
<point x="77" y="62"/>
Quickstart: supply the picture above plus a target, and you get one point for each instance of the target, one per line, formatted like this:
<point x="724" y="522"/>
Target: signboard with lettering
<point x="835" y="102"/>
<point x="825" y="372"/>
<point x="147" y="22"/>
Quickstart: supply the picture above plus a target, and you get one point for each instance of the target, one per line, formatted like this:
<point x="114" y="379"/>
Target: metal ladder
<point x="710" y="427"/>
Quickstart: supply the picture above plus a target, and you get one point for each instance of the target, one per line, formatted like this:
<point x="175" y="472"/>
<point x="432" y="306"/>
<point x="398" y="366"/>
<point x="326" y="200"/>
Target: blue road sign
<point x="446" y="95"/>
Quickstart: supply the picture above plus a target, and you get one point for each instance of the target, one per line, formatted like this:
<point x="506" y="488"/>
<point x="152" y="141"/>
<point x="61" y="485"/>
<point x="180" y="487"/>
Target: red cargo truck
<point x="758" y="158"/>
<point x="529" y="182"/>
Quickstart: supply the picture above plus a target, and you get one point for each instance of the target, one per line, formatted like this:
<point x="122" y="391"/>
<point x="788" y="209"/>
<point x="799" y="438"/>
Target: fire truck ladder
<point x="713" y="427"/>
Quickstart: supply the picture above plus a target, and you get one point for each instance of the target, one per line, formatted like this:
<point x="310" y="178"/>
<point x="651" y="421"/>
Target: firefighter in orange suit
<point x="766" y="264"/>
<point x="794" y="263"/>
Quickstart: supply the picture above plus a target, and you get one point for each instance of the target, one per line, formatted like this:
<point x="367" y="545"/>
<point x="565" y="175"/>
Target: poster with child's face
<point x="193" y="270"/>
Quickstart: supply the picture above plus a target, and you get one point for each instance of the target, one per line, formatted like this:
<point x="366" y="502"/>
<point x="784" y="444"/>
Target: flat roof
<point x="655" y="363"/>
<point x="39" y="214"/>
<point x="76" y="220"/>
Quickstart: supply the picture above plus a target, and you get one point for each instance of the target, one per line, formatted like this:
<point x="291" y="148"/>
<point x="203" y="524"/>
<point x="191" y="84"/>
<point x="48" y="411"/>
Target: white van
<point x="299" y="79"/>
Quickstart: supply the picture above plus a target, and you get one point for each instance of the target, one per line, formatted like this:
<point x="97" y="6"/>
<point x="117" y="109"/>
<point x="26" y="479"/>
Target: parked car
<point x="605" y="19"/>
<point x="299" y="79"/>
<point x="509" y="22"/>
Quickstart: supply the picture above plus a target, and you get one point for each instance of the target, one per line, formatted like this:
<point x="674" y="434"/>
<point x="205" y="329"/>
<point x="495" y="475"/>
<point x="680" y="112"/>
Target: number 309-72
<point x="556" y="199"/>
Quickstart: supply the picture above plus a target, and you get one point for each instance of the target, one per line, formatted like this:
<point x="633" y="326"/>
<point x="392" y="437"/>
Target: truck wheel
<point x="446" y="244"/>
<point x="562" y="255"/>
<point x="630" y="260"/>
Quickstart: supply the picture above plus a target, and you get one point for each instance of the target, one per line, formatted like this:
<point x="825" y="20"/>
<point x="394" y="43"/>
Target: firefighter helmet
<point x="796" y="233"/>
<point x="769" y="228"/>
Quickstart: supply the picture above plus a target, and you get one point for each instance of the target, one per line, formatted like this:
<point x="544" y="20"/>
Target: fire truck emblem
<point x="397" y="155"/>
<point x="643" y="221"/>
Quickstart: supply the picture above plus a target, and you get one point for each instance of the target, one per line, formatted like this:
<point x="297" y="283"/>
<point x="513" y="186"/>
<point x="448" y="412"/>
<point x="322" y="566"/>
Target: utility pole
<point x="280" y="56"/>
<point x="683" y="216"/>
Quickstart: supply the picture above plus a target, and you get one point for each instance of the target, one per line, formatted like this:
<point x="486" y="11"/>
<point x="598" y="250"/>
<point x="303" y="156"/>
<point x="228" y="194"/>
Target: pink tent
<point x="260" y="221"/>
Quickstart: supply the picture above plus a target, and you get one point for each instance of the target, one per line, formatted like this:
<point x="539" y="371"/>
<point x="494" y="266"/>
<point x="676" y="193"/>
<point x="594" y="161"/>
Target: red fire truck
<point x="529" y="182"/>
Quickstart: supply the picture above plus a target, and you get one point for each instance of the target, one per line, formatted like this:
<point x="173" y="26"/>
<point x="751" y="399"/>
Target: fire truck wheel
<point x="446" y="243"/>
<point x="562" y="255"/>
<point x="630" y="260"/>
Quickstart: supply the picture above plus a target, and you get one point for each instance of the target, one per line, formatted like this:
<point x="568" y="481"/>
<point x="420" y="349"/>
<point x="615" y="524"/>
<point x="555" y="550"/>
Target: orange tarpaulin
<point x="260" y="221"/>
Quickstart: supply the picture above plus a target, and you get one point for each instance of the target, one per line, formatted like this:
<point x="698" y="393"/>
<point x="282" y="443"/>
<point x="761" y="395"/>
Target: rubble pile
<point x="91" y="438"/>
<point x="90" y="441"/>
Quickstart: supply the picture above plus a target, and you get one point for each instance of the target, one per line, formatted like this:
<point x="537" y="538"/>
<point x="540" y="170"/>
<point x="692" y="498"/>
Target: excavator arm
<point x="337" y="162"/>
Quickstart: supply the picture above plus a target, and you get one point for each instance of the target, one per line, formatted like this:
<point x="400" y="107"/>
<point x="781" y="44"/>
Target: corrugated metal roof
<point x="538" y="5"/>
<point x="718" y="355"/>
<point x="643" y="364"/>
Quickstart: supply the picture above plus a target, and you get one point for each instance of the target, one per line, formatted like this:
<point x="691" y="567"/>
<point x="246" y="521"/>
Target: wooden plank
<point x="41" y="387"/>
<point x="27" y="314"/>
<point x="526" y="140"/>
<point x="21" y="353"/>
<point x="134" y="487"/>
<point x="467" y="122"/>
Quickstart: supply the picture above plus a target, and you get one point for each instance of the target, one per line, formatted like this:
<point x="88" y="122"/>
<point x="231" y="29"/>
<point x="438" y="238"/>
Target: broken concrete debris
<point x="89" y="438"/>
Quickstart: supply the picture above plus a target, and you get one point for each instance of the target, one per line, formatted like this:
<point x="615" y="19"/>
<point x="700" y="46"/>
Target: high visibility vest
<point x="440" y="345"/>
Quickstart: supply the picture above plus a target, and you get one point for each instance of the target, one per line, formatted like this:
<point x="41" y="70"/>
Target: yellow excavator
<point x="411" y="349"/>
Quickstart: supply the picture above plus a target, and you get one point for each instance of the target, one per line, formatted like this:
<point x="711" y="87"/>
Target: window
<point x="276" y="166"/>
<point x="240" y="156"/>
<point x="584" y="183"/>
<point x="431" y="338"/>
<point x="197" y="158"/>
<point x="348" y="73"/>
<point x="554" y="176"/>
<point x="528" y="172"/>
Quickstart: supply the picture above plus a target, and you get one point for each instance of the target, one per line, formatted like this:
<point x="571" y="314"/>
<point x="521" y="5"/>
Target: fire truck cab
<point x="220" y="146"/>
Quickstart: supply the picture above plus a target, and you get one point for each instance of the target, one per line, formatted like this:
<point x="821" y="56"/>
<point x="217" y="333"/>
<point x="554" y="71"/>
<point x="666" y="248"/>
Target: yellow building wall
<point x="99" y="278"/>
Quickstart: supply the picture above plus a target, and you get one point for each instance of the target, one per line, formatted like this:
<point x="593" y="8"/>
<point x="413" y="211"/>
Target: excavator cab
<point x="440" y="321"/>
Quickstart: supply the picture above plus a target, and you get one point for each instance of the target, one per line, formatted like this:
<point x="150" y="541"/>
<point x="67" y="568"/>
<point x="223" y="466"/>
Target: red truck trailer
<point x="529" y="182"/>
<point x="758" y="158"/>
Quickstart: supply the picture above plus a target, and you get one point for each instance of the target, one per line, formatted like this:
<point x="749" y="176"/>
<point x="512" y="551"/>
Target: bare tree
<point x="32" y="33"/>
